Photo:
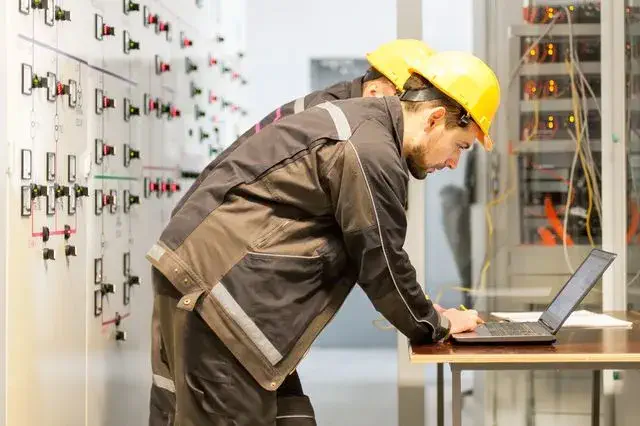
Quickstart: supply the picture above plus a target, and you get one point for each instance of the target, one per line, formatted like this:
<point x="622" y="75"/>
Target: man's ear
<point x="435" y="116"/>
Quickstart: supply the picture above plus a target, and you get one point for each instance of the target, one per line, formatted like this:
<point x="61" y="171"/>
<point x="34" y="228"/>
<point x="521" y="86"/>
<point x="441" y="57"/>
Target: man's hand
<point x="438" y="308"/>
<point x="462" y="321"/>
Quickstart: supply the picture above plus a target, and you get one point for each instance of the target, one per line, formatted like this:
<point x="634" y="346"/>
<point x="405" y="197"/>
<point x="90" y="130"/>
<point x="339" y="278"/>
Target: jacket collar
<point x="394" y="108"/>
<point x="356" y="87"/>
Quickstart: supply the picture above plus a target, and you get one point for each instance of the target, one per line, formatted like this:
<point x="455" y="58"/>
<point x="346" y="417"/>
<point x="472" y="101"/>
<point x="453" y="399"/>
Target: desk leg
<point x="456" y="394"/>
<point x="595" y="398"/>
<point x="440" y="390"/>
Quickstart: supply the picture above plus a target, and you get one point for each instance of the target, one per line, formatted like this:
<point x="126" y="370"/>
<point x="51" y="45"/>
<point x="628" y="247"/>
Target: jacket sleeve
<point x="368" y="186"/>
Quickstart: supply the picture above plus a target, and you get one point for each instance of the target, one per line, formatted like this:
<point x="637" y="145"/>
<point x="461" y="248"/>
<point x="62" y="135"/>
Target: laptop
<point x="565" y="302"/>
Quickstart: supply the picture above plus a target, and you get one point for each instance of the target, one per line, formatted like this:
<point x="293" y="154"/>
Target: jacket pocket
<point x="273" y="298"/>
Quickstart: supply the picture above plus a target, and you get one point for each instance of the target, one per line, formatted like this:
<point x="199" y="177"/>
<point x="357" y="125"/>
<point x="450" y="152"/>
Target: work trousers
<point x="197" y="381"/>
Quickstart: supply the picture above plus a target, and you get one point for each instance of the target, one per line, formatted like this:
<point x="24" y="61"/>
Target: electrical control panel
<point x="109" y="116"/>
<point x="558" y="90"/>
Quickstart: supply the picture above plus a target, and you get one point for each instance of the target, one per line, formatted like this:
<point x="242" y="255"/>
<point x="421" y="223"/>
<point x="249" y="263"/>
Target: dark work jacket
<point x="270" y="243"/>
<point x="342" y="90"/>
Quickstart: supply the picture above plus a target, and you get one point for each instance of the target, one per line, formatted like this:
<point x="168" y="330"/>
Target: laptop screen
<point x="578" y="286"/>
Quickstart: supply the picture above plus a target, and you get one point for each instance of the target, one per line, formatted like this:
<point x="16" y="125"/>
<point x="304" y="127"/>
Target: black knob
<point x="134" y="280"/>
<point x="39" y="4"/>
<point x="60" y="190"/>
<point x="108" y="288"/>
<point x="45" y="234"/>
<point x="38" y="190"/>
<point x="134" y="110"/>
<point x="48" y="254"/>
<point x="203" y="135"/>
<point x="70" y="250"/>
<point x="81" y="191"/>
<point x="133" y="7"/>
<point x="38" y="82"/>
<point x="62" y="15"/>
<point x="67" y="232"/>
<point x="133" y="153"/>
<point x="134" y="199"/>
<point x="220" y="39"/>
<point x="199" y="113"/>
<point x="121" y="335"/>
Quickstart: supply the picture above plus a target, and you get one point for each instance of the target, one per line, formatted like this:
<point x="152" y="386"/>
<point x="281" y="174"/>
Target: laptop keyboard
<point x="513" y="329"/>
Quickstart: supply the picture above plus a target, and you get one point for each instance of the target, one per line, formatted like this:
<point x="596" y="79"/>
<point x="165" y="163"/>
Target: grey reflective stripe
<point x="384" y="250"/>
<point x="298" y="105"/>
<point x="246" y="324"/>
<point x="156" y="252"/>
<point x="164" y="383"/>
<point x="339" y="120"/>
<point x="296" y="416"/>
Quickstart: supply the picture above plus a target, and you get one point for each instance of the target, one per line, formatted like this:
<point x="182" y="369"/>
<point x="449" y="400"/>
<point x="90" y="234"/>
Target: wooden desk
<point x="575" y="348"/>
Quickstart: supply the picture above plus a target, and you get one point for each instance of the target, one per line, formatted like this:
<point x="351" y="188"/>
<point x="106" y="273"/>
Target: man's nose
<point x="452" y="163"/>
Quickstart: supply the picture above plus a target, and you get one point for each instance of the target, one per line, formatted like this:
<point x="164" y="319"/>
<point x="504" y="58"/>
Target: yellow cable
<point x="574" y="101"/>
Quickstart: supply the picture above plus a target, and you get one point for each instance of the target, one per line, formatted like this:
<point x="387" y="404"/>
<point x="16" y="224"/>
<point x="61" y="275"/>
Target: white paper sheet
<point x="582" y="318"/>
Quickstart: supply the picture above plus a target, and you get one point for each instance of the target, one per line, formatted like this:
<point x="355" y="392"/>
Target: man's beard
<point x="416" y="171"/>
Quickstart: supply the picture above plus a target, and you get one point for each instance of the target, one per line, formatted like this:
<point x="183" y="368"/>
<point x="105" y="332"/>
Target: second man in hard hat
<point x="262" y="254"/>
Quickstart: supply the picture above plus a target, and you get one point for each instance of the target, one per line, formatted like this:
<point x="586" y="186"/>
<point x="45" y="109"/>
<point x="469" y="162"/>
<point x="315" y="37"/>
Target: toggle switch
<point x="130" y="110"/>
<point x="70" y="251"/>
<point x="203" y="135"/>
<point x="213" y="150"/>
<point x="199" y="113"/>
<point x="81" y="191"/>
<point x="129" y="44"/>
<point x="130" y="6"/>
<point x="130" y="154"/>
<point x="38" y="190"/>
<point x="45" y="234"/>
<point x="163" y="26"/>
<point x="67" y="232"/>
<point x="225" y="69"/>
<point x="108" y="30"/>
<point x="121" y="335"/>
<point x="133" y="280"/>
<point x="48" y="254"/>
<point x="190" y="66"/>
<point x="161" y="66"/>
<point x="108" y="200"/>
<point x="185" y="41"/>
<point x="212" y="97"/>
<point x="108" y="102"/>
<point x="103" y="150"/>
<point x="40" y="4"/>
<point x="220" y="39"/>
<point x="107" y="288"/>
<point x="243" y="81"/>
<point x="62" y="89"/>
<point x="172" y="187"/>
<point x="171" y="110"/>
<point x="38" y="82"/>
<point x="61" y="190"/>
<point x="129" y="200"/>
<point x="225" y="104"/>
<point x="62" y="15"/>
<point x="195" y="90"/>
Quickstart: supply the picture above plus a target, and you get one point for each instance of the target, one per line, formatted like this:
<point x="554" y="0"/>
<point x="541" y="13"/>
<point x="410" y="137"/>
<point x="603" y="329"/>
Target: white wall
<point x="283" y="36"/>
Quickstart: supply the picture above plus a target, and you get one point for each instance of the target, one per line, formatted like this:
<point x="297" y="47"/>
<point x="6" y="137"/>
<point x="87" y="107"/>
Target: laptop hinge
<point x="545" y="325"/>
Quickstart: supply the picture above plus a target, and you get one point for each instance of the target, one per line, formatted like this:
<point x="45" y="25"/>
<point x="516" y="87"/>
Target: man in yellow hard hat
<point x="389" y="69"/>
<point x="264" y="251"/>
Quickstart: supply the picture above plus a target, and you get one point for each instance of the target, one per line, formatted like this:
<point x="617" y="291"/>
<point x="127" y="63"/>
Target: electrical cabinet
<point x="108" y="110"/>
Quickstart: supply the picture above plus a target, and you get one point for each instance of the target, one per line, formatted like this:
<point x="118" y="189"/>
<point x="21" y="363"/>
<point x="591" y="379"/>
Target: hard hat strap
<point x="433" y="94"/>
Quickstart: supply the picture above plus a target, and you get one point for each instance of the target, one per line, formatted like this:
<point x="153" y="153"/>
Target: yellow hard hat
<point x="396" y="58"/>
<point x="466" y="79"/>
